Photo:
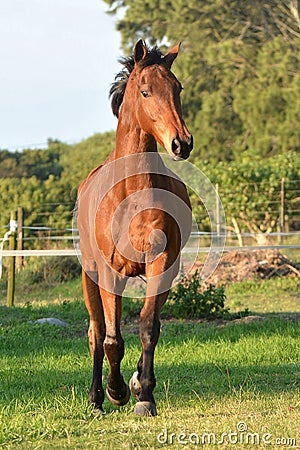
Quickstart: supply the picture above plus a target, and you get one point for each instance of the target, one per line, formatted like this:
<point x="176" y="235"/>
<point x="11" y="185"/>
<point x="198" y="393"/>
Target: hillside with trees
<point x="45" y="182"/>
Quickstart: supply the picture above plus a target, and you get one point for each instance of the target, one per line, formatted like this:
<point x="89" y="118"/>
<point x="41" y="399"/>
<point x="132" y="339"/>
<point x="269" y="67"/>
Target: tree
<point x="29" y="163"/>
<point x="234" y="55"/>
<point x="268" y="103"/>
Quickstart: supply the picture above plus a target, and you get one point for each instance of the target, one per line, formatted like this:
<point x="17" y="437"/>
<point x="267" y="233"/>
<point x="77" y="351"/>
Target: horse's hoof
<point x="147" y="409"/>
<point x="135" y="385"/>
<point x="119" y="401"/>
<point x="99" y="410"/>
<point x="96" y="397"/>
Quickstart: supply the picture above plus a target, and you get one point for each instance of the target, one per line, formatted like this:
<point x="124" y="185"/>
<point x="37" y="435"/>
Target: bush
<point x="188" y="300"/>
<point x="58" y="269"/>
<point x="51" y="270"/>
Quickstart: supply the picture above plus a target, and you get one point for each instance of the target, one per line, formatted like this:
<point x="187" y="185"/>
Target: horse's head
<point x="154" y="92"/>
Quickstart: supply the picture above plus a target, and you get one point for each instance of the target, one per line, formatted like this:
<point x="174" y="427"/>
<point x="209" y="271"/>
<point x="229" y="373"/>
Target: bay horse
<point x="133" y="217"/>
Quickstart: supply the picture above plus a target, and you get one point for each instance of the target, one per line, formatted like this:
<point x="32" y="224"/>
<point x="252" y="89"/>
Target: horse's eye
<point x="145" y="94"/>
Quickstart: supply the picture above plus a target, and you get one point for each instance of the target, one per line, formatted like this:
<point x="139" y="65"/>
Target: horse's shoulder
<point x="178" y="187"/>
<point x="90" y="175"/>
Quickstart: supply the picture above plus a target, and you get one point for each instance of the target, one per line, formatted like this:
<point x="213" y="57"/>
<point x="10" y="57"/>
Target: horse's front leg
<point x="96" y="336"/>
<point x="117" y="390"/>
<point x="160" y="274"/>
<point x="143" y="382"/>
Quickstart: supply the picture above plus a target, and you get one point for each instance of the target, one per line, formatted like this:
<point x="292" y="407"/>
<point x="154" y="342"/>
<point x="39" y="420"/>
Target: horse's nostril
<point x="176" y="146"/>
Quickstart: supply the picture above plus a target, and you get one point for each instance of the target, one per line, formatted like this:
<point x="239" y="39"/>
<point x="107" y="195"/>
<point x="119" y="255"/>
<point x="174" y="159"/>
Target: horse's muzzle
<point x="182" y="148"/>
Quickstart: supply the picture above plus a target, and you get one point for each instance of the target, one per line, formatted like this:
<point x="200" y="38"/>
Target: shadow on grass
<point x="184" y="382"/>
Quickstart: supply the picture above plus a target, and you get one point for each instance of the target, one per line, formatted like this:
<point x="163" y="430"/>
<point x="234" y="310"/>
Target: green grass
<point x="278" y="295"/>
<point x="211" y="377"/>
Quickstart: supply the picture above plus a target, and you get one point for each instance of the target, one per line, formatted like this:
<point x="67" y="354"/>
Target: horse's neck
<point x="131" y="139"/>
<point x="135" y="154"/>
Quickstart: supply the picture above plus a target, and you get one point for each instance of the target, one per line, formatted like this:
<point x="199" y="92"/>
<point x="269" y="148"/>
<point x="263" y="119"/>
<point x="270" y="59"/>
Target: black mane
<point x="117" y="90"/>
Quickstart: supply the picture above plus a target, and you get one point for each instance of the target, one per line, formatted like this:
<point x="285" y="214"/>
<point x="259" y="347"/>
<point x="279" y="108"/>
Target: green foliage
<point x="49" y="271"/>
<point x="250" y="191"/>
<point x="259" y="198"/>
<point x="268" y="104"/>
<point x="30" y="163"/>
<point x="78" y="160"/>
<point x="45" y="182"/>
<point x="188" y="300"/>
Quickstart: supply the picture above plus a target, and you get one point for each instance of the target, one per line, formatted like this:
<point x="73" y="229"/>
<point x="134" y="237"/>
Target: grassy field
<point x="224" y="384"/>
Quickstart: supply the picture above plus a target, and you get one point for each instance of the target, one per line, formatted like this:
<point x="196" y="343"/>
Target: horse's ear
<point x="172" y="55"/>
<point x="140" y="51"/>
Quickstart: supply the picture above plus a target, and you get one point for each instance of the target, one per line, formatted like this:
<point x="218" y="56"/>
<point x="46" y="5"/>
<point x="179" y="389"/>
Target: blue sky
<point x="58" y="59"/>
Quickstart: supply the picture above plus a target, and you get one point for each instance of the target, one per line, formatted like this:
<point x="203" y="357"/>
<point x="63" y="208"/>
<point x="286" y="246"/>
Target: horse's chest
<point x="142" y="229"/>
<point x="138" y="236"/>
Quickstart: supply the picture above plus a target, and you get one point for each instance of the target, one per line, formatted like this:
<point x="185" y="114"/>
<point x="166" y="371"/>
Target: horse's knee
<point x="117" y="390"/>
<point x="114" y="348"/>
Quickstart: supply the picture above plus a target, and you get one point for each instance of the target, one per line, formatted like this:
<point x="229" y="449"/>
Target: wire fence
<point x="72" y="243"/>
<point x="186" y="250"/>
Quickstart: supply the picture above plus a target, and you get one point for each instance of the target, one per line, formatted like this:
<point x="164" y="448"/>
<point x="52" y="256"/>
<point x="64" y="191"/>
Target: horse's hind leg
<point x="117" y="391"/>
<point x="96" y="336"/>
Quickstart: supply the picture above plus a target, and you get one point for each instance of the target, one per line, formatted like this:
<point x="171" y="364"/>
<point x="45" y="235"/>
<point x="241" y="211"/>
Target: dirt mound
<point x="242" y="265"/>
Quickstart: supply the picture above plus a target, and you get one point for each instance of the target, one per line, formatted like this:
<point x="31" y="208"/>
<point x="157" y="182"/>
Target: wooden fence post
<point x="12" y="260"/>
